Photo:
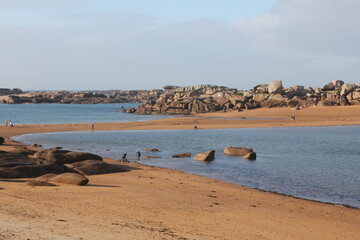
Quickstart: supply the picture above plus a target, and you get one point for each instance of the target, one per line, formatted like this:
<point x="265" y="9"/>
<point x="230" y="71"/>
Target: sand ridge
<point x="156" y="203"/>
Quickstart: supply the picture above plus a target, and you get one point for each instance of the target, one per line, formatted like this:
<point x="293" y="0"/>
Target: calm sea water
<point x="69" y="113"/>
<point x="318" y="163"/>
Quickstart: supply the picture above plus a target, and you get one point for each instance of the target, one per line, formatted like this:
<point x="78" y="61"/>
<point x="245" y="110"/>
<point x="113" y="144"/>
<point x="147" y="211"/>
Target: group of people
<point x="124" y="157"/>
<point x="9" y="123"/>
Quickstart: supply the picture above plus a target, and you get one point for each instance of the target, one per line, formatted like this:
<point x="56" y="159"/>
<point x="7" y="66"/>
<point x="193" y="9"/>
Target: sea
<point x="315" y="163"/>
<point x="56" y="113"/>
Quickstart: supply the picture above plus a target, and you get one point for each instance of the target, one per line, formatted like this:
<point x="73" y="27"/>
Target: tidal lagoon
<point x="317" y="163"/>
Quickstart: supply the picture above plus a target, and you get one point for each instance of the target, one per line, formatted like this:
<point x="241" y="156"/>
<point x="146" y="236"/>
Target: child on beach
<point x="124" y="158"/>
<point x="6" y="123"/>
<point x="11" y="123"/>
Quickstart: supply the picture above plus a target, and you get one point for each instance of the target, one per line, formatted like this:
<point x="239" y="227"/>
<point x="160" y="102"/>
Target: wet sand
<point x="156" y="203"/>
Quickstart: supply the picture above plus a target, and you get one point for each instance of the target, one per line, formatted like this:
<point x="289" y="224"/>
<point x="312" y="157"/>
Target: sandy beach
<point x="155" y="203"/>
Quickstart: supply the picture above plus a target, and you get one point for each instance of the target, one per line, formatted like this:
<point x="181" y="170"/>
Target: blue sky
<point x="88" y="44"/>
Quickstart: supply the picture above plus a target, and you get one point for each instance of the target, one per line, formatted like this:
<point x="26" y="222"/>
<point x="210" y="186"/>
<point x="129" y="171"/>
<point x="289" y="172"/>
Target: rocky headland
<point x="83" y="97"/>
<point x="212" y="98"/>
<point x="200" y="98"/>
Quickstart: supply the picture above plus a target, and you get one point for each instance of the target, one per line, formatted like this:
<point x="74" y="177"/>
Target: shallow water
<point x="318" y="163"/>
<point x="69" y="113"/>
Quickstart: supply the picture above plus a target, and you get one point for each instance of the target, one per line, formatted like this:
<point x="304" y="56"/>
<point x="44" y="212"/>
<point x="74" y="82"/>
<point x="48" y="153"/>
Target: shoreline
<point x="299" y="218"/>
<point x="229" y="182"/>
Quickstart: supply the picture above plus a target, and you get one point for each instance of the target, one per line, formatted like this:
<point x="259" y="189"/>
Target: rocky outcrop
<point x="2" y="140"/>
<point x="70" y="178"/>
<point x="24" y="171"/>
<point x="85" y="97"/>
<point x="63" y="156"/>
<point x="23" y="151"/>
<point x="47" y="164"/>
<point x="205" y="156"/>
<point x="212" y="98"/>
<point x="93" y="167"/>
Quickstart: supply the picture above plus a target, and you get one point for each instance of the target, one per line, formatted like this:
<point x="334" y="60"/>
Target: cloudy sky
<point x="142" y="44"/>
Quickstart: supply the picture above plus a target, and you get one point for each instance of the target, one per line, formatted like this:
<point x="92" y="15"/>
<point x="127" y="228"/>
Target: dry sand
<point x="155" y="203"/>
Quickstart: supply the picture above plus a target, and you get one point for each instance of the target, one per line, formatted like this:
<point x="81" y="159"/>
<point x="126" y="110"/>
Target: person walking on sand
<point x="138" y="154"/>
<point x="11" y="123"/>
<point x="92" y="126"/>
<point x="6" y="123"/>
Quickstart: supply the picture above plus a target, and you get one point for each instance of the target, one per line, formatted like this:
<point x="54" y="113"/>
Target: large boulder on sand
<point x="24" y="171"/>
<point x="46" y="177"/>
<point x="275" y="87"/>
<point x="88" y="167"/>
<point x="70" y="178"/>
<point x="52" y="155"/>
<point x="205" y="156"/>
<point x="2" y="140"/>
<point x="81" y="156"/>
<point x="94" y="167"/>
<point x="63" y="156"/>
<point x="53" y="167"/>
<point x="237" y="151"/>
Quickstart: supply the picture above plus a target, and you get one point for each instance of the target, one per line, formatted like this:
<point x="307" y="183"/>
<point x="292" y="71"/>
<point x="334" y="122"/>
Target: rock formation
<point x="85" y="97"/>
<point x="237" y="151"/>
<point x="205" y="156"/>
<point x="247" y="153"/>
<point x="70" y="178"/>
<point x="212" y="98"/>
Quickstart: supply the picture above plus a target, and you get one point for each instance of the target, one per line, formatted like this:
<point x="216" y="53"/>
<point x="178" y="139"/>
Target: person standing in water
<point x="138" y="154"/>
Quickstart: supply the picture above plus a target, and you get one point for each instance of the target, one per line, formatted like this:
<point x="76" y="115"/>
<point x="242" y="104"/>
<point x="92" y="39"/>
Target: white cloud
<point x="308" y="28"/>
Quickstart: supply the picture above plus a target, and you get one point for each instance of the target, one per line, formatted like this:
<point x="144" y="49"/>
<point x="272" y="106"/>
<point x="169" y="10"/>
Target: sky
<point x="142" y="44"/>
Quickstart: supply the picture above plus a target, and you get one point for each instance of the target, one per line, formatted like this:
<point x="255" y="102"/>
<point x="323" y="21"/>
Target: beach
<point x="156" y="203"/>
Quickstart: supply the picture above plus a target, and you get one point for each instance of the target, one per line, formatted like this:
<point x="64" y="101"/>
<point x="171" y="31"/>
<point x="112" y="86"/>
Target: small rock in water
<point x="152" y="149"/>
<point x="182" y="155"/>
<point x="205" y="156"/>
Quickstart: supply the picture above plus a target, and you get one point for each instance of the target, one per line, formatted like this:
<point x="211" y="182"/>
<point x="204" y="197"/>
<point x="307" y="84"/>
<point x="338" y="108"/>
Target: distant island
<point x="200" y="98"/>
